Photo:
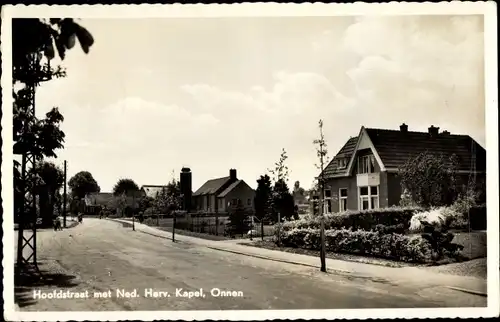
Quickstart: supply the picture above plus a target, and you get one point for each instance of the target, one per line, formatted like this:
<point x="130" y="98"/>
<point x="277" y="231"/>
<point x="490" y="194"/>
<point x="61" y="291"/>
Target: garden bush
<point x="393" y="246"/>
<point x="397" y="218"/>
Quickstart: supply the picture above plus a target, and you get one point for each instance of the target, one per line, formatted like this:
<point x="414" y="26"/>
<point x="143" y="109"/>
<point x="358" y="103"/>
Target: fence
<point x="208" y="224"/>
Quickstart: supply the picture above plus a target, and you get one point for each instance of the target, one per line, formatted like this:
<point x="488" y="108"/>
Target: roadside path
<point x="412" y="275"/>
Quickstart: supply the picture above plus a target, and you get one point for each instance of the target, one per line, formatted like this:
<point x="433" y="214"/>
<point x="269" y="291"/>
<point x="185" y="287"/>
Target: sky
<point x="155" y="95"/>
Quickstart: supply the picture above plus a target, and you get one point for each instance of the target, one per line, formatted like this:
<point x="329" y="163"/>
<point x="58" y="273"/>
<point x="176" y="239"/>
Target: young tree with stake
<point x="321" y="152"/>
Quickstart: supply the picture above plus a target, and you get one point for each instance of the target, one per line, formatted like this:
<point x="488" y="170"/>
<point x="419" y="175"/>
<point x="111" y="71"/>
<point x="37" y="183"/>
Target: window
<point x="234" y="202"/>
<point x="249" y="202"/>
<point x="366" y="164"/>
<point x="342" y="163"/>
<point x="328" y="201"/>
<point x="342" y="199"/>
<point x="368" y="198"/>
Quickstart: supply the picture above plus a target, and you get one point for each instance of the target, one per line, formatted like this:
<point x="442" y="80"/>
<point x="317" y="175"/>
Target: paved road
<point x="102" y="255"/>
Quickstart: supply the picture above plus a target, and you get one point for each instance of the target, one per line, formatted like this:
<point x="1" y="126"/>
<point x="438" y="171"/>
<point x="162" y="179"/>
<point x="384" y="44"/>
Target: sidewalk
<point x="400" y="275"/>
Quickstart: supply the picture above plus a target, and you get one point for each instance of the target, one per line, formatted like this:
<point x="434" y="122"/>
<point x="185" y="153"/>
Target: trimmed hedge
<point x="395" y="219"/>
<point x="412" y="249"/>
<point x="477" y="217"/>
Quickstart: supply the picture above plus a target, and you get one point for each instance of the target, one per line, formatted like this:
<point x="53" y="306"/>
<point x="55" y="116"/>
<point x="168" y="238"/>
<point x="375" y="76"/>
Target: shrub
<point x="440" y="241"/>
<point x="433" y="217"/>
<point x="391" y="246"/>
<point x="365" y="220"/>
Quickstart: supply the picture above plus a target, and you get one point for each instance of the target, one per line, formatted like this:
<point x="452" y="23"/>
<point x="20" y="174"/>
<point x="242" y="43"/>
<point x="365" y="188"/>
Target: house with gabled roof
<point x="152" y="191"/>
<point x="221" y="194"/>
<point x="364" y="173"/>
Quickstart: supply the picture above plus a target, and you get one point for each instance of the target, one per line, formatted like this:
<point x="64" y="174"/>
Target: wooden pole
<point x="173" y="227"/>
<point x="321" y="198"/>
<point x="64" y="194"/>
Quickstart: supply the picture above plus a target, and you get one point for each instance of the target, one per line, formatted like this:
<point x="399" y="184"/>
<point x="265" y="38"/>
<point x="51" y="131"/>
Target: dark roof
<point x="229" y="188"/>
<point x="211" y="186"/>
<point x="396" y="147"/>
<point x="345" y="153"/>
<point x="99" y="198"/>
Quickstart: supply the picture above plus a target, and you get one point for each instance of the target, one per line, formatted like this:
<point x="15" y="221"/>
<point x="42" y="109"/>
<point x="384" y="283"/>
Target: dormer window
<point x="366" y="164"/>
<point x="342" y="163"/>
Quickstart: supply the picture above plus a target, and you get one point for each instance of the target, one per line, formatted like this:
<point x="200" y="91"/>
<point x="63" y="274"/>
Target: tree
<point x="145" y="202"/>
<point x="127" y="187"/>
<point x="238" y="220"/>
<point x="170" y="198"/>
<point x="263" y="201"/>
<point x="298" y="189"/>
<point x="322" y="154"/>
<point x="82" y="184"/>
<point x="282" y="199"/>
<point x="32" y="40"/>
<point x="430" y="179"/>
<point x="47" y="189"/>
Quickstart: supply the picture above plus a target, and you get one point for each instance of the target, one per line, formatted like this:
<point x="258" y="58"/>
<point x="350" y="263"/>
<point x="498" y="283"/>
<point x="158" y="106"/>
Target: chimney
<point x="186" y="188"/>
<point x="403" y="128"/>
<point x="433" y="131"/>
<point x="232" y="174"/>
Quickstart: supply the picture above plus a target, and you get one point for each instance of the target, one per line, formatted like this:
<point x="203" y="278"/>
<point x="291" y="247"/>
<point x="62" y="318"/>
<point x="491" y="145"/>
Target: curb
<point x="467" y="291"/>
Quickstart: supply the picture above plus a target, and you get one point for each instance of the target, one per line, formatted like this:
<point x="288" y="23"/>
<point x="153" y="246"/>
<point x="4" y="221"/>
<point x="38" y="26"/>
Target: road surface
<point x="102" y="257"/>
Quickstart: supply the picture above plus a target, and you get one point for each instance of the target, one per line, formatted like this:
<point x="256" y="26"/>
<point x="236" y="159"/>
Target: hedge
<point x="477" y="215"/>
<point x="396" y="219"/>
<point x="397" y="247"/>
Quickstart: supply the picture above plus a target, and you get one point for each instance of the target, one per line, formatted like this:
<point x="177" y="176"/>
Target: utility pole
<point x="322" y="152"/>
<point x="64" y="193"/>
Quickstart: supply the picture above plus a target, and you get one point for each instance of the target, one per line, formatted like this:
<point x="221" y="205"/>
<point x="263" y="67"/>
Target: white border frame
<point x="488" y="9"/>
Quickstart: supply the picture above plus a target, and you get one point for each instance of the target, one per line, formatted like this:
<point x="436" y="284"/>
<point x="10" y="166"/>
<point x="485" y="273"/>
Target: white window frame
<point x="369" y="198"/>
<point x="325" y="202"/>
<point x="343" y="198"/>
<point x="364" y="164"/>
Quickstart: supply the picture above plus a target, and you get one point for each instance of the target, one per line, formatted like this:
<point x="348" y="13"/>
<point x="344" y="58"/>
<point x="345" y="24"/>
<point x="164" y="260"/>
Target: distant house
<point x="152" y="191"/>
<point x="221" y="194"/>
<point x="363" y="174"/>
<point x="98" y="200"/>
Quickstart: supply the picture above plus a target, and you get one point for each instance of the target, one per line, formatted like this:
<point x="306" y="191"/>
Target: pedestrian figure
<point x="80" y="218"/>
<point x="57" y="224"/>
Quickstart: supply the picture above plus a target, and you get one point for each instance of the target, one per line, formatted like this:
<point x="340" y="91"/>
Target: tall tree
<point x="263" y="200"/>
<point x="82" y="184"/>
<point x="322" y="154"/>
<point x="282" y="199"/>
<point x="127" y="187"/>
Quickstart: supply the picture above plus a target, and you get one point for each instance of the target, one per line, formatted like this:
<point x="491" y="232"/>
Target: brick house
<point x="219" y="195"/>
<point x="364" y="173"/>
